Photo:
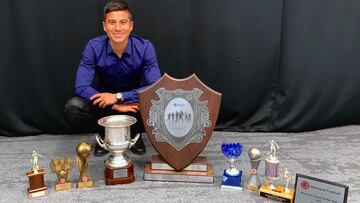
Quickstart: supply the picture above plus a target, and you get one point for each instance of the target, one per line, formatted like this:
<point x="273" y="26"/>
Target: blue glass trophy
<point x="232" y="177"/>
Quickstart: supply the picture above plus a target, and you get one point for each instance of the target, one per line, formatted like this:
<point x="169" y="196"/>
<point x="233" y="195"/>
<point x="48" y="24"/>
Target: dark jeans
<point x="84" y="116"/>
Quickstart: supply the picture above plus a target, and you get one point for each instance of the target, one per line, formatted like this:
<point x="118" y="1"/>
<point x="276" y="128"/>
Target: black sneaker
<point x="99" y="151"/>
<point x="139" y="147"/>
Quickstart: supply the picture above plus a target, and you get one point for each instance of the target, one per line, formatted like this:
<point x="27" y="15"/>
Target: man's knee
<point x="76" y="108"/>
<point x="77" y="103"/>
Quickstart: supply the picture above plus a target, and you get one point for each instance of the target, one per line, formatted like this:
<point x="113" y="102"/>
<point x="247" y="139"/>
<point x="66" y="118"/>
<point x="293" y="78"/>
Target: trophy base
<point x="121" y="175"/>
<point x="231" y="182"/>
<point x="85" y="184"/>
<point x="37" y="187"/>
<point x="199" y="171"/>
<point x="62" y="186"/>
<point x="277" y="194"/>
<point x="198" y="164"/>
<point x="40" y="192"/>
<point x="253" y="183"/>
<point x="252" y="187"/>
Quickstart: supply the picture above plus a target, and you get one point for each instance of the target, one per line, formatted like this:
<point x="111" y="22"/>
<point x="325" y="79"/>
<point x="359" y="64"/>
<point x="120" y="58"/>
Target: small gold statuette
<point x="37" y="186"/>
<point x="83" y="151"/>
<point x="62" y="168"/>
<point x="35" y="160"/>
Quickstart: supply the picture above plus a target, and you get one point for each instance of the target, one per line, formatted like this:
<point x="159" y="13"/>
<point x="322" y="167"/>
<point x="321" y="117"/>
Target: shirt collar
<point x="127" y="50"/>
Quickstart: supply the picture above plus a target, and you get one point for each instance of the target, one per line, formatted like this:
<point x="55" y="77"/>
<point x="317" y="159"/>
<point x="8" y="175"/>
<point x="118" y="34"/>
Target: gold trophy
<point x="37" y="186"/>
<point x="61" y="167"/>
<point x="269" y="190"/>
<point x="83" y="151"/>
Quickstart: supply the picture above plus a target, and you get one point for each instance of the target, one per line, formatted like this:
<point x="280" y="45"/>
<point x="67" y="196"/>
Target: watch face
<point x="118" y="96"/>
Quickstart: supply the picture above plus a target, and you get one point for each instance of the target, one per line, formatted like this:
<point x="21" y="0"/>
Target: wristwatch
<point x="119" y="97"/>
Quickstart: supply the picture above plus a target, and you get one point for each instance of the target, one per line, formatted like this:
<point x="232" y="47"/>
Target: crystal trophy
<point x="232" y="176"/>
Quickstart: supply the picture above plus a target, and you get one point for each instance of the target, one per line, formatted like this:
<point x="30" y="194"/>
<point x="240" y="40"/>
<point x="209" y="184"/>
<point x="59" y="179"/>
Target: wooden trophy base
<point x="37" y="193"/>
<point x="37" y="187"/>
<point x="120" y="175"/>
<point x="62" y="186"/>
<point x="199" y="171"/>
<point x="277" y="194"/>
<point x="85" y="184"/>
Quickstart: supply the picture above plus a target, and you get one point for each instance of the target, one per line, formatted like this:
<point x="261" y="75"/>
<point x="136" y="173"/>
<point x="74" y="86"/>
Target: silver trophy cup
<point x="117" y="138"/>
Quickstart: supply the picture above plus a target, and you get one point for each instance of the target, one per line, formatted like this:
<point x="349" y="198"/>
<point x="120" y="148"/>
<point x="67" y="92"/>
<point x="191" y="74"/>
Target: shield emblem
<point x="179" y="116"/>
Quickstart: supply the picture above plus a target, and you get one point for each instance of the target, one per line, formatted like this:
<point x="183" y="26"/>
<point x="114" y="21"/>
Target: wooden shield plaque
<point x="179" y="116"/>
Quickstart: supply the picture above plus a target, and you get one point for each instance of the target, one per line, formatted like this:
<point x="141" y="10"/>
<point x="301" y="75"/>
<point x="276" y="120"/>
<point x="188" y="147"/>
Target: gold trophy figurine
<point x="61" y="167"/>
<point x="34" y="159"/>
<point x="37" y="187"/>
<point x="83" y="151"/>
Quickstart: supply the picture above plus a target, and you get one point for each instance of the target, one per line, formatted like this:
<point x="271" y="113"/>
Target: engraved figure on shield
<point x="179" y="117"/>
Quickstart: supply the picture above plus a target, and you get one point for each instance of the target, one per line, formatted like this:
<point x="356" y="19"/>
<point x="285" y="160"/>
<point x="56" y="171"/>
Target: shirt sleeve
<point x="151" y="74"/>
<point x="85" y="74"/>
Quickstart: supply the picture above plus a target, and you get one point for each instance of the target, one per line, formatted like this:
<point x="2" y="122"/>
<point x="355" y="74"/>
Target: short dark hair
<point x="116" y="5"/>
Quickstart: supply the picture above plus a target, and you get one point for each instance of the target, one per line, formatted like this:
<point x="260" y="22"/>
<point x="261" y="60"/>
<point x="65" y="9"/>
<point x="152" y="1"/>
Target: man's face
<point x="118" y="26"/>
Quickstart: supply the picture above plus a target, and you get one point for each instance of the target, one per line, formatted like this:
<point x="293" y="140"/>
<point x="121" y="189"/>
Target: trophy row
<point x="61" y="167"/>
<point x="118" y="169"/>
<point x="232" y="177"/>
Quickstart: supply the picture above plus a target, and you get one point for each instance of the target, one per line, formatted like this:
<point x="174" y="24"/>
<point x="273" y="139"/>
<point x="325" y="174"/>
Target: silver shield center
<point x="178" y="117"/>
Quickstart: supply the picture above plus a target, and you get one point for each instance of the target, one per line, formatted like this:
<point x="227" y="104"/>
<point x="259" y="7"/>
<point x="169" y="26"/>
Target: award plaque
<point x="310" y="189"/>
<point x="37" y="186"/>
<point x="179" y="116"/>
<point x="118" y="167"/>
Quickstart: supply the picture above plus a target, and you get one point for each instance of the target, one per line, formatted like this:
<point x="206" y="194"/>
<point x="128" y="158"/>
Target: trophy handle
<point x="133" y="141"/>
<point x="101" y="142"/>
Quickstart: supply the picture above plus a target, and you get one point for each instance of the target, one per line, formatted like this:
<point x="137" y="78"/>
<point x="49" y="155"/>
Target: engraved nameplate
<point x="192" y="167"/>
<point x="198" y="164"/>
<point x="38" y="194"/>
<point x="275" y="197"/>
<point x="178" y="178"/>
<point x="120" y="173"/>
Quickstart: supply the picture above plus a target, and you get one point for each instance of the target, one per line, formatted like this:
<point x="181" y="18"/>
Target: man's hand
<point x="133" y="107"/>
<point x="103" y="99"/>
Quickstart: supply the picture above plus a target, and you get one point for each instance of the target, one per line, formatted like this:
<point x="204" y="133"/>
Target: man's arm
<point x="85" y="74"/>
<point x="151" y="74"/>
